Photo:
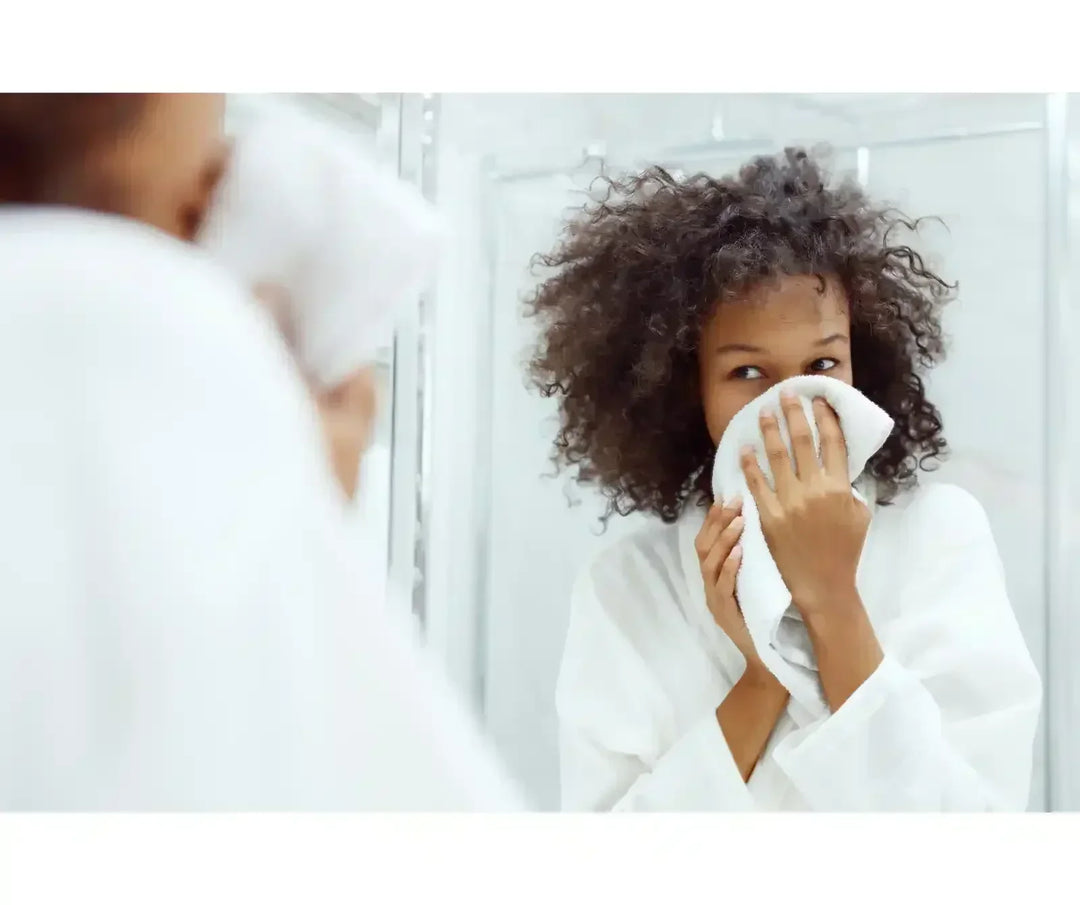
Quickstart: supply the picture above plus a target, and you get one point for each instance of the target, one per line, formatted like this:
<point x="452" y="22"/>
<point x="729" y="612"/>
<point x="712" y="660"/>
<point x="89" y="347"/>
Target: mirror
<point x="502" y="541"/>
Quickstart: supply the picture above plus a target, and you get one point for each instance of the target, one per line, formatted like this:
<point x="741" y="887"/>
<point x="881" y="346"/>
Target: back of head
<point x="50" y="145"/>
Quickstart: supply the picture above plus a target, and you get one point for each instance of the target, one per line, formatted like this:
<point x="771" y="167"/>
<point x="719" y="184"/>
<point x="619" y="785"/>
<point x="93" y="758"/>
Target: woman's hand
<point x="813" y="524"/>
<point x="347" y="411"/>
<point x="348" y="414"/>
<point x="751" y="708"/>
<point x="719" y="554"/>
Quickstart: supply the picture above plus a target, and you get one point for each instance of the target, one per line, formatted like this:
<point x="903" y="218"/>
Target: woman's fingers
<point x="724" y="543"/>
<point x="716" y="520"/>
<point x="779" y="460"/>
<point x="802" y="438"/>
<point x="348" y="417"/>
<point x="756" y="482"/>
<point x="833" y="446"/>
<point x="725" y="582"/>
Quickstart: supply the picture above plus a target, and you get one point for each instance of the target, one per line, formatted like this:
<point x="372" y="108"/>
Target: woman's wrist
<point x="845" y="646"/>
<point x="748" y="714"/>
<point x="837" y="602"/>
<point x="839" y="616"/>
<point x="757" y="676"/>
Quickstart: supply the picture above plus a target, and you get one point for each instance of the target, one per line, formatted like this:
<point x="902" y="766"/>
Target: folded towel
<point x="302" y="209"/>
<point x="774" y="624"/>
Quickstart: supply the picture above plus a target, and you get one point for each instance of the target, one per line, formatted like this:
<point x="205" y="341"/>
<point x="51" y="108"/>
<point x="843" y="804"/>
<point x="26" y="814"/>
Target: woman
<point x="672" y="305"/>
<point x="184" y="622"/>
<point x="155" y="159"/>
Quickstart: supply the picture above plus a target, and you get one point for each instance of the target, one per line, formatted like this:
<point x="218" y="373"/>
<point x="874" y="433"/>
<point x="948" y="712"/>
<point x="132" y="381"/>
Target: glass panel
<point x="537" y="541"/>
<point x="990" y="388"/>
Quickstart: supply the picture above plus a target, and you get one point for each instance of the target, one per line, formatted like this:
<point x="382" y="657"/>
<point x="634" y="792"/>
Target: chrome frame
<point x="410" y="469"/>
<point x="484" y="441"/>
<point x="389" y="148"/>
<point x="672" y="157"/>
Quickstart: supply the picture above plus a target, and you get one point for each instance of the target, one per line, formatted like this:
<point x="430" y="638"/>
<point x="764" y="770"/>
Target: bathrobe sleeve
<point x="948" y="720"/>
<point x="615" y="722"/>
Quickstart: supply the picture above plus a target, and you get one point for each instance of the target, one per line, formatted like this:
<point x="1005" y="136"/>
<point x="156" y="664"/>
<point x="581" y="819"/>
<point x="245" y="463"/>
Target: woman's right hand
<point x="720" y="555"/>
<point x="347" y="410"/>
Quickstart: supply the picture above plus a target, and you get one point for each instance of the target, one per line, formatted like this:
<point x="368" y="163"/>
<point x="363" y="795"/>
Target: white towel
<point x="301" y="208"/>
<point x="775" y="626"/>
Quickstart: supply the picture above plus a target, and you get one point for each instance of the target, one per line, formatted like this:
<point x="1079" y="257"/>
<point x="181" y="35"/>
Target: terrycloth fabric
<point x="775" y="626"/>
<point x="186" y="622"/>
<point x="300" y="208"/>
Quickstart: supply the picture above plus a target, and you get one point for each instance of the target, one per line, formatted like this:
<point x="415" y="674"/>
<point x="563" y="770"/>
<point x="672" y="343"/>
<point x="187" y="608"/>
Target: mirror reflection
<point x="626" y="279"/>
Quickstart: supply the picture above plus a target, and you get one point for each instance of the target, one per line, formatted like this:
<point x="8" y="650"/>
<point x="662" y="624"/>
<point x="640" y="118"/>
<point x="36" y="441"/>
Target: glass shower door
<point x="990" y="192"/>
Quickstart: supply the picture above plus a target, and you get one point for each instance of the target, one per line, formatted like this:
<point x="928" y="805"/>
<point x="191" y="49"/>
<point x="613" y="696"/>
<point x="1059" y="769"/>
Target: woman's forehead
<point x="804" y="303"/>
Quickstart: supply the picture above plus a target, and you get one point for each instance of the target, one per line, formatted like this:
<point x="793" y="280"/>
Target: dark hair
<point x="47" y="140"/>
<point x="637" y="274"/>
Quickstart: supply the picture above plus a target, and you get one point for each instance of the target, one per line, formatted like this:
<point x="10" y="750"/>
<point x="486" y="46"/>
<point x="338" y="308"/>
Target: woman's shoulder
<point x="935" y="509"/>
<point x="641" y="570"/>
<point x="651" y="545"/>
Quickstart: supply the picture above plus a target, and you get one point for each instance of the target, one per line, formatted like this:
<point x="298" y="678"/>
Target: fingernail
<point x="736" y="552"/>
<point x="767" y="413"/>
<point x="737" y="523"/>
<point x="748" y="452"/>
<point x="733" y="502"/>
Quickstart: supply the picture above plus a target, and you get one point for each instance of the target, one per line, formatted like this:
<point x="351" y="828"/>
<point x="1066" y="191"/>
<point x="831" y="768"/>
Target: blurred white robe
<point x="184" y="622"/>
<point x="946" y="723"/>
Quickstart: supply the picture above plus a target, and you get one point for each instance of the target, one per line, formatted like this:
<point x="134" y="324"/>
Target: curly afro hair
<point x="637" y="274"/>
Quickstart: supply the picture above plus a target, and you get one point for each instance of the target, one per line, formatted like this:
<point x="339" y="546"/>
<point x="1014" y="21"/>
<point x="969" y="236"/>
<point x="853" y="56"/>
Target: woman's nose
<point x="781" y="376"/>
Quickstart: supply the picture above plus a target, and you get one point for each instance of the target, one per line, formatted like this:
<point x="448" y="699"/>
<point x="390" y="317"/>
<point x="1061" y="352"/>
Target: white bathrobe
<point x="946" y="723"/>
<point x="185" y="622"/>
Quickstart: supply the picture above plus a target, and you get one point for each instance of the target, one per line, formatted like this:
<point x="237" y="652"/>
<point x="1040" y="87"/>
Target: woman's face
<point x="777" y="330"/>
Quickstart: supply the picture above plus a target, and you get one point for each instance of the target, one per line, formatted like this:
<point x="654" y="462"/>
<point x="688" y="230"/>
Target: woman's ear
<point x="198" y="205"/>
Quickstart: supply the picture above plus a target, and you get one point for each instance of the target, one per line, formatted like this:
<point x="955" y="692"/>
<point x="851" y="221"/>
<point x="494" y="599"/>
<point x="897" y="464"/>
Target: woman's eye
<point x="748" y="372"/>
<point x="824" y="364"/>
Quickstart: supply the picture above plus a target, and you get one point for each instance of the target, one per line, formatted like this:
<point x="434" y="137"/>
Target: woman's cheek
<point x="719" y="410"/>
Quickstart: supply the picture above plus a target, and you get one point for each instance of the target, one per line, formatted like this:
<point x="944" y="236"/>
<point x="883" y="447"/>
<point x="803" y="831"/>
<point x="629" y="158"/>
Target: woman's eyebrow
<point x="757" y="350"/>
<point x="828" y="340"/>
<point x="739" y="347"/>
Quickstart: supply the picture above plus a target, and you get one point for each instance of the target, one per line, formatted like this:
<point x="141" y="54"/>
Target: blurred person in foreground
<point x="184" y="620"/>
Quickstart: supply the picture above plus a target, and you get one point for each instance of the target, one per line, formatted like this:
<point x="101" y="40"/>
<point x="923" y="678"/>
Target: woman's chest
<point x="698" y="666"/>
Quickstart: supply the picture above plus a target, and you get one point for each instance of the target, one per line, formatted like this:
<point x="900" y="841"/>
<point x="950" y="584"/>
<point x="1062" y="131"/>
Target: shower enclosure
<point x="490" y="543"/>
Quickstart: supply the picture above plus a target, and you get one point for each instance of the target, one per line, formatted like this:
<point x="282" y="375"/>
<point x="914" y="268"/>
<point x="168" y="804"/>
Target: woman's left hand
<point x="813" y="524"/>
